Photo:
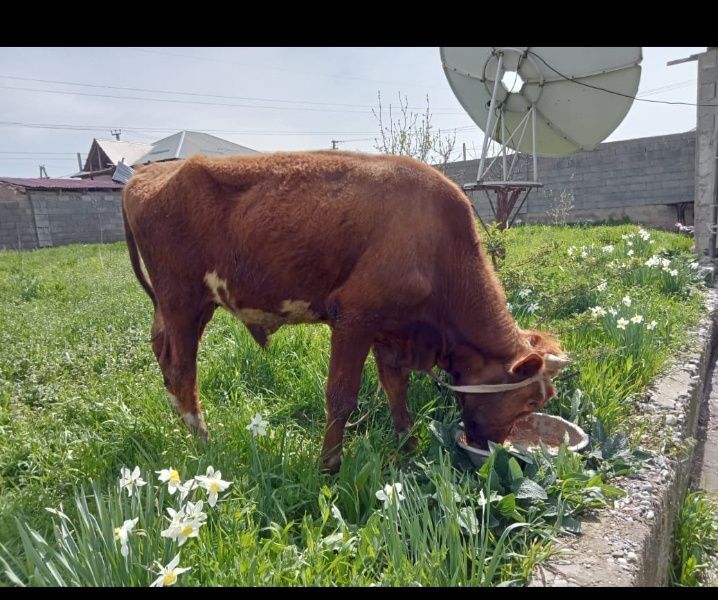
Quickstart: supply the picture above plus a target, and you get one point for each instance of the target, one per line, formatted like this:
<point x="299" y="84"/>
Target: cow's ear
<point x="528" y="366"/>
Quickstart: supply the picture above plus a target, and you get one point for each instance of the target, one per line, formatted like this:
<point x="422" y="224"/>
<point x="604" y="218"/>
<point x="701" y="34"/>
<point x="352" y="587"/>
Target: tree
<point x="406" y="133"/>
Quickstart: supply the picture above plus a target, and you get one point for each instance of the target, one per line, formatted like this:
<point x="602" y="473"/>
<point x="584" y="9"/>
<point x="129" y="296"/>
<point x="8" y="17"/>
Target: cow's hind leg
<point x="176" y="336"/>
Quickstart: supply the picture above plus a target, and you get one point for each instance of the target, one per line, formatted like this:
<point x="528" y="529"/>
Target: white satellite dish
<point x="570" y="115"/>
<point x="570" y="99"/>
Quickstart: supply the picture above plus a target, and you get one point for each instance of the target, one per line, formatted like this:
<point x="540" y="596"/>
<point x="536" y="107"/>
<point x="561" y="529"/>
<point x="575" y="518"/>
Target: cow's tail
<point x="135" y="258"/>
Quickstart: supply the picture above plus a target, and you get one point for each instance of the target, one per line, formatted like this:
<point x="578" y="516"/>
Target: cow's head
<point x="490" y="416"/>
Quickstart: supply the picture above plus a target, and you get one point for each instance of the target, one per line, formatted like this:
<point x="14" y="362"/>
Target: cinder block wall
<point x="640" y="179"/>
<point x="59" y="217"/>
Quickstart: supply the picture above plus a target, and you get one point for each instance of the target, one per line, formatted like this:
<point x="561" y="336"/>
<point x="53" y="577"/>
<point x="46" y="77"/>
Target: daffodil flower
<point x="172" y="477"/>
<point x="621" y="323"/>
<point x="130" y="481"/>
<point x="598" y="311"/>
<point x="637" y="319"/>
<point x="213" y="483"/>
<point x="168" y="575"/>
<point x="602" y="286"/>
<point x="186" y="487"/>
<point x="122" y="533"/>
<point x="533" y="307"/>
<point x="193" y="511"/>
<point x="651" y="325"/>
<point x="390" y="493"/>
<point x="258" y="426"/>
<point x="175" y="525"/>
<point x="608" y="248"/>
<point x="627" y="300"/>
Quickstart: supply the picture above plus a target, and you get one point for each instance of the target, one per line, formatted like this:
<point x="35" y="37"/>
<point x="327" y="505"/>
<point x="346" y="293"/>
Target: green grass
<point x="695" y="539"/>
<point x="81" y="396"/>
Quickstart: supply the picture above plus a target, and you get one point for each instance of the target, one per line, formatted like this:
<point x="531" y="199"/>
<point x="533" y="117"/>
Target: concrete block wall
<point x="640" y="179"/>
<point x="17" y="226"/>
<point x="60" y="217"/>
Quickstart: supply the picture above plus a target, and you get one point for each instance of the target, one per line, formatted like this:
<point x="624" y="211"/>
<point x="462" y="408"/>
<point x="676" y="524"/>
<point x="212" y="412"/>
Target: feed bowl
<point x="528" y="434"/>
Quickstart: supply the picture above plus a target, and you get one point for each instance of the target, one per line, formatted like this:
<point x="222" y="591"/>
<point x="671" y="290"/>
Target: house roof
<point x="186" y="143"/>
<point x="38" y="183"/>
<point x="111" y="153"/>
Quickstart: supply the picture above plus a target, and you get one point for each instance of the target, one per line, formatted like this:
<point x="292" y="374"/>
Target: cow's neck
<point x="480" y="313"/>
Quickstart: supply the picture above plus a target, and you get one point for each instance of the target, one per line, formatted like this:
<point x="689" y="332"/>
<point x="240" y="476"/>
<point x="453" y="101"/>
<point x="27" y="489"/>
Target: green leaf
<point x="515" y="469"/>
<point x="525" y="489"/>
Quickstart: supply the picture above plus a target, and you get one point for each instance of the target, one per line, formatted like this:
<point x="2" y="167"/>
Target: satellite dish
<point x="560" y="84"/>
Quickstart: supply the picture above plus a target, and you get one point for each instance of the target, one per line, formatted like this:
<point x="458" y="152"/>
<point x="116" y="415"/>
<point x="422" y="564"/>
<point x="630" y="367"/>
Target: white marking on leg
<point x="175" y="403"/>
<point x="192" y="421"/>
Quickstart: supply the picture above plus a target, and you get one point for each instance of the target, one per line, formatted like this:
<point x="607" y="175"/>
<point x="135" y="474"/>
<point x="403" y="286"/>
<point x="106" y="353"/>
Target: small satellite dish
<point x="571" y="115"/>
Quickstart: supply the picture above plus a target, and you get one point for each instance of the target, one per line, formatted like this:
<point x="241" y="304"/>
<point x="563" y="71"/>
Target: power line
<point x="74" y="127"/>
<point x="154" y="91"/>
<point x="596" y="87"/>
<point x="204" y="103"/>
<point x="231" y="62"/>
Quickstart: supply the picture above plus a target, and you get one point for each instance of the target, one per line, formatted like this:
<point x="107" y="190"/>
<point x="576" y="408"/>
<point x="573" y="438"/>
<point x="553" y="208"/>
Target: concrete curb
<point x="630" y="545"/>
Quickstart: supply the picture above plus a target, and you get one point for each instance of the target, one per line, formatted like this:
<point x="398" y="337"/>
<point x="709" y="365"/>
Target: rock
<point x="632" y="557"/>
<point x="650" y="514"/>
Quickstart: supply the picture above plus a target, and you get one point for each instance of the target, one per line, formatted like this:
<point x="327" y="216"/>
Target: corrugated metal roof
<point x="116" y="150"/>
<point x="38" y="183"/>
<point x="186" y="143"/>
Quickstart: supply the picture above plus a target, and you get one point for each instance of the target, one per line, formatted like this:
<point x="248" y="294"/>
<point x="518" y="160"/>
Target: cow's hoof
<point x="195" y="424"/>
<point x="331" y="464"/>
<point x="408" y="444"/>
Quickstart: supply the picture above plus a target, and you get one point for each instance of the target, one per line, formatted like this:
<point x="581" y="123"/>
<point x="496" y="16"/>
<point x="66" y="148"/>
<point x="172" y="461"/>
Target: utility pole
<point x="116" y="133"/>
<point x="705" y="206"/>
<point x="334" y="144"/>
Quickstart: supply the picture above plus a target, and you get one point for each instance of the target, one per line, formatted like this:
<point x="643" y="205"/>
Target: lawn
<point x="81" y="397"/>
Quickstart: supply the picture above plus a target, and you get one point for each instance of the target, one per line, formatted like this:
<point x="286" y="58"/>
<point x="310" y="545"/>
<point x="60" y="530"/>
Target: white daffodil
<point x="626" y="300"/>
<point x="132" y="480"/>
<point x="122" y="533"/>
<point x="621" y="323"/>
<point x="175" y="525"/>
<point x="651" y="325"/>
<point x="645" y="236"/>
<point x="598" y="311"/>
<point x="212" y="482"/>
<point x="390" y="493"/>
<point x="665" y="263"/>
<point x="193" y="511"/>
<point x="628" y="236"/>
<point x="637" y="319"/>
<point x="629" y="243"/>
<point x="673" y="272"/>
<point x="186" y="487"/>
<point x="607" y="249"/>
<point x="533" y="307"/>
<point x="654" y="261"/>
<point x="571" y="250"/>
<point x="168" y="575"/>
<point x="630" y="253"/>
<point x="525" y="293"/>
<point x="258" y="426"/>
<point x="188" y="529"/>
<point x="613" y="312"/>
<point x="172" y="477"/>
<point x="584" y="254"/>
<point x="602" y="286"/>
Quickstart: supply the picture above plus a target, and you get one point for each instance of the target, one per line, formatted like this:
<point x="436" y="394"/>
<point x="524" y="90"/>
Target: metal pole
<point x="503" y="142"/>
<point x="533" y="133"/>
<point x="492" y="106"/>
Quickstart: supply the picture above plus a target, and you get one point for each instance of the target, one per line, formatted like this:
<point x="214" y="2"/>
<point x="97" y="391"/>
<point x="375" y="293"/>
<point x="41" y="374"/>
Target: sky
<point x="54" y="101"/>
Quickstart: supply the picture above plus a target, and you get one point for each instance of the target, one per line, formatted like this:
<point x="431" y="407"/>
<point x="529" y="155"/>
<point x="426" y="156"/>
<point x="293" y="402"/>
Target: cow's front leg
<point x="395" y="381"/>
<point x="349" y="351"/>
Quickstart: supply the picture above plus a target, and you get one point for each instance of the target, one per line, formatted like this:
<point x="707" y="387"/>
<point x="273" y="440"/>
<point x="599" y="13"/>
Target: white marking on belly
<point x="215" y="283"/>
<point x="297" y="311"/>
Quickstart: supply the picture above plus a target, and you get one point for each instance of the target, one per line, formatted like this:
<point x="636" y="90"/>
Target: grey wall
<point x="641" y="179"/>
<point x="58" y="217"/>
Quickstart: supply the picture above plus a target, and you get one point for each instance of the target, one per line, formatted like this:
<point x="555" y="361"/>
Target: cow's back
<point x="289" y="226"/>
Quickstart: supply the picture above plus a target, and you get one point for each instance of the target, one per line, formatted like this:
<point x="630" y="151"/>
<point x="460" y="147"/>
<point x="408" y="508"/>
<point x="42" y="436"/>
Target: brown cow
<point x="382" y="249"/>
